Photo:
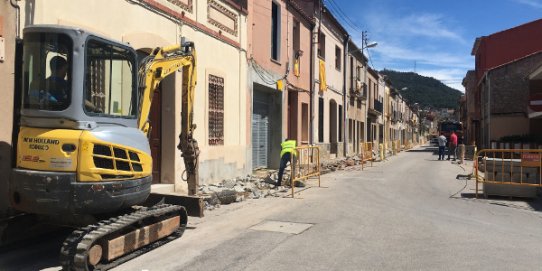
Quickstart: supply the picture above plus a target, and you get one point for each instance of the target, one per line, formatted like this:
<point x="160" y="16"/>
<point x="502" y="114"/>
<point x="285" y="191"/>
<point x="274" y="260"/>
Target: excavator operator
<point x="56" y="83"/>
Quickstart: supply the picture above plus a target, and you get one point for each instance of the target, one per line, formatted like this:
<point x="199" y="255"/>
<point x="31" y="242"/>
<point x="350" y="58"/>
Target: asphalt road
<point x="407" y="213"/>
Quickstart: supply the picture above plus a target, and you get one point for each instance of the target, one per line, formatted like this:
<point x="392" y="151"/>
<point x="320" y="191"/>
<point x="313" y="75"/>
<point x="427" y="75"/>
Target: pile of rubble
<point x="242" y="188"/>
<point x="339" y="164"/>
<point x="261" y="184"/>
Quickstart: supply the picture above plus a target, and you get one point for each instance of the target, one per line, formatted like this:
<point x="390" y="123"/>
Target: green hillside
<point x="426" y="91"/>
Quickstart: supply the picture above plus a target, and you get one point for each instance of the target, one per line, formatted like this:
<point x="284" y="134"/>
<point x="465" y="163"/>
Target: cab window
<point x="47" y="71"/>
<point x="110" y="86"/>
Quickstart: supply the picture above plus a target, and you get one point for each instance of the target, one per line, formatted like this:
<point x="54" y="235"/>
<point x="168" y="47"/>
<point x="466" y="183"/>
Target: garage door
<point x="260" y="134"/>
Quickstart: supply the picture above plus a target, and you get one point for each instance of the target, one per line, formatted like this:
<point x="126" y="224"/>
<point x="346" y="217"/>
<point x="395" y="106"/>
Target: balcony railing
<point x="397" y="116"/>
<point x="378" y="106"/>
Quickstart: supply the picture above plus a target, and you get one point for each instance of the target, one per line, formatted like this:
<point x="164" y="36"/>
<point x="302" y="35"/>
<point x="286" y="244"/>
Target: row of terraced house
<point x="267" y="70"/>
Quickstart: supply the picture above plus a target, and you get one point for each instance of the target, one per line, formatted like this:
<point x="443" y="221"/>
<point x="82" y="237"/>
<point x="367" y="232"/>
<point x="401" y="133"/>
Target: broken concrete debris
<point x="261" y="184"/>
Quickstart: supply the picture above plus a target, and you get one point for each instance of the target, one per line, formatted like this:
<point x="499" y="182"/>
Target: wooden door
<point x="155" y="139"/>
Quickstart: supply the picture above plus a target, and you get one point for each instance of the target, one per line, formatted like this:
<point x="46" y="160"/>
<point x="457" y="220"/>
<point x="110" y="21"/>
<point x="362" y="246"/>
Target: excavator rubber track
<point x="76" y="252"/>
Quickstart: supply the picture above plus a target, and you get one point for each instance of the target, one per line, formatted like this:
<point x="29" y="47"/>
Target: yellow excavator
<point x="83" y="157"/>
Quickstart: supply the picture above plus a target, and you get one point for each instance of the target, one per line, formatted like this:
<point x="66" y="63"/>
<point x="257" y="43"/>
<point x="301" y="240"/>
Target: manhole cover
<point x="284" y="227"/>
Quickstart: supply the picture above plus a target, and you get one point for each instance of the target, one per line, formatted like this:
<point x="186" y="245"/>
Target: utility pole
<point x="366" y="85"/>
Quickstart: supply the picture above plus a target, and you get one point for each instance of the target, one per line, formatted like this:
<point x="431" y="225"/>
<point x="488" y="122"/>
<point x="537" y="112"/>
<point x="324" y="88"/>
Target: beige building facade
<point x="329" y="99"/>
<point x="375" y="106"/>
<point x="8" y="36"/>
<point x="356" y="97"/>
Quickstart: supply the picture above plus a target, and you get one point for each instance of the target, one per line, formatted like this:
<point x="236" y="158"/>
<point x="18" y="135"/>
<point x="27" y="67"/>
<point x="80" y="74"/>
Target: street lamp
<point x="370" y="45"/>
<point x="365" y="45"/>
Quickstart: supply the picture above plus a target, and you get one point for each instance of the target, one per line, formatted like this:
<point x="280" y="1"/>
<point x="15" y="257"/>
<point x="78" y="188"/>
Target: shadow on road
<point x="434" y="150"/>
<point x="468" y="195"/>
<point x="34" y="253"/>
<point x="534" y="204"/>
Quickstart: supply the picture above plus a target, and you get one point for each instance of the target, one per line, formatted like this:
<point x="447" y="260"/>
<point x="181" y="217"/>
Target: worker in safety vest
<point x="288" y="147"/>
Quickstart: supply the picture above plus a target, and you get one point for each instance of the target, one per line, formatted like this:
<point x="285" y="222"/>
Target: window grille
<point x="216" y="110"/>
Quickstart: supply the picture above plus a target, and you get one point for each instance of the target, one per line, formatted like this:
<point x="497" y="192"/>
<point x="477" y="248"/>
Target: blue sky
<point x="432" y="37"/>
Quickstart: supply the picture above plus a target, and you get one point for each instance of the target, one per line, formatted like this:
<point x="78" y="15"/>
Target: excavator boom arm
<point x="161" y="63"/>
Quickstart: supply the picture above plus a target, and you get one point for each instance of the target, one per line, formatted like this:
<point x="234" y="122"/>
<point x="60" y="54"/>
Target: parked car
<point x="434" y="141"/>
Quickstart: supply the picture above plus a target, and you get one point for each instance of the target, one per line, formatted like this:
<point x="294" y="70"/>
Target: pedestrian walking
<point x="452" y="146"/>
<point x="441" y="146"/>
<point x="288" y="148"/>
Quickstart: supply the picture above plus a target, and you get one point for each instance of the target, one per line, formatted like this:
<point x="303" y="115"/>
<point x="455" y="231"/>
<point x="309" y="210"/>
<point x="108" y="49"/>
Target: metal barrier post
<point x="362" y="153"/>
<point x="476" y="172"/>
<point x="305" y="161"/>
<point x="292" y="176"/>
<point x="318" y="166"/>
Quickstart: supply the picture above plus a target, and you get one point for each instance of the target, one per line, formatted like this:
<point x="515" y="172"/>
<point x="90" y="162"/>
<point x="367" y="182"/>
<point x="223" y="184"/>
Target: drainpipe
<point x="366" y="85"/>
<point x="311" y="88"/>
<point x="17" y="17"/>
<point x="312" y="62"/>
<point x="345" y="108"/>
<point x="488" y="110"/>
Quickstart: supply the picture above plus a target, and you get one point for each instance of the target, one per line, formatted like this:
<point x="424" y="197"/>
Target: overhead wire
<point x="335" y="8"/>
<point x="340" y="14"/>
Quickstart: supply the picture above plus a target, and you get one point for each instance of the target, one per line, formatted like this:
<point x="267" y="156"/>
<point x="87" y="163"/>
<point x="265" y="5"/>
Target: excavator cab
<point x="79" y="149"/>
<point x="77" y="76"/>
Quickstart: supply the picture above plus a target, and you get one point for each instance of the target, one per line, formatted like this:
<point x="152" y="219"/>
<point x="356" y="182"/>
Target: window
<point x="110" y="80"/>
<point x="352" y="82"/>
<point x="296" y="37"/>
<point x="320" y="119"/>
<point x="296" y="47"/>
<point x="47" y="71"/>
<point x="338" y="58"/>
<point x="275" y="31"/>
<point x="322" y="45"/>
<point x="216" y="110"/>
<point x="358" y="72"/>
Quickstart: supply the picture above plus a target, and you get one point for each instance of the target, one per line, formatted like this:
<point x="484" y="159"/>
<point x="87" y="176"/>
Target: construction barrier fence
<point x="389" y="146"/>
<point x="367" y="153"/>
<point x="501" y="171"/>
<point x="408" y="145"/>
<point x="305" y="164"/>
<point x="396" y="147"/>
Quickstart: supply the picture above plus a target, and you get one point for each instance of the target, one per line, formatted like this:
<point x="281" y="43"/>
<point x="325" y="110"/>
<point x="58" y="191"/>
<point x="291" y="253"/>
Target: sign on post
<point x="530" y="159"/>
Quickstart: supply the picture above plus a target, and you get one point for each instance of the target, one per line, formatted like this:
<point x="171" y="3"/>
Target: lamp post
<point x="365" y="45"/>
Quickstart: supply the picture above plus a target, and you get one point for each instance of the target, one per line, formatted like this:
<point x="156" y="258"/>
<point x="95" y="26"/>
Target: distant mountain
<point x="426" y="91"/>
